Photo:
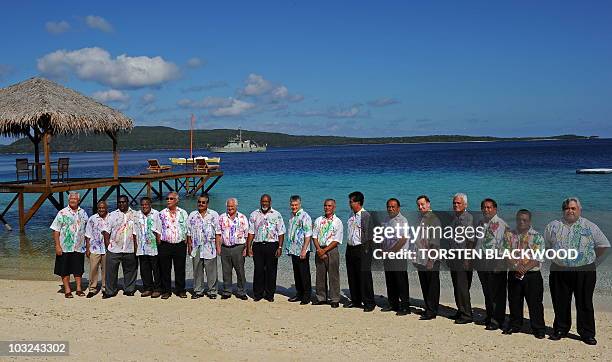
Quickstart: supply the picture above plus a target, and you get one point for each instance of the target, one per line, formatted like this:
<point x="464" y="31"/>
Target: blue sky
<point x="358" y="68"/>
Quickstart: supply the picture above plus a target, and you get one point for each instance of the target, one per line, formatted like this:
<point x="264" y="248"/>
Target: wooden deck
<point x="154" y="185"/>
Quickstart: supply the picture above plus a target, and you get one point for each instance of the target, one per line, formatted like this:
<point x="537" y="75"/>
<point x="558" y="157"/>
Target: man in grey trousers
<point x="231" y="240"/>
<point x="201" y="233"/>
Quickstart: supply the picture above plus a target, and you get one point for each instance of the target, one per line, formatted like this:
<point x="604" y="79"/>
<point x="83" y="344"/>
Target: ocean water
<point x="536" y="175"/>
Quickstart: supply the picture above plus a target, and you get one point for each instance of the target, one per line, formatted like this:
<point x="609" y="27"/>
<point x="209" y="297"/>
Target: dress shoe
<point x="557" y="336"/>
<point x="591" y="341"/>
<point x="128" y="294"/>
<point x="211" y="296"/>
<point x="91" y="294"/>
<point x="482" y="322"/>
<point x="389" y="309"/>
<point x="155" y="295"/>
<point x="147" y="293"/>
<point x="319" y="302"/>
<point x="106" y="296"/>
<point x="369" y="308"/>
<point x="182" y="295"/>
<point x="539" y="335"/>
<point x="271" y="299"/>
<point x="257" y="299"/>
<point x="295" y="299"/>
<point x="427" y="317"/>
<point x="509" y="331"/>
<point x="335" y="304"/>
<point x="196" y="296"/>
<point x="492" y="327"/>
<point x="462" y="321"/>
<point x="403" y="311"/>
<point x="353" y="305"/>
<point x="225" y="296"/>
<point x="242" y="297"/>
<point x="165" y="296"/>
<point x="456" y="316"/>
<point x="304" y="302"/>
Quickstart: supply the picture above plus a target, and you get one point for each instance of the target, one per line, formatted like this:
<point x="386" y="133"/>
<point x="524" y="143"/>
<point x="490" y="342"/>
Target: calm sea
<point x="536" y="175"/>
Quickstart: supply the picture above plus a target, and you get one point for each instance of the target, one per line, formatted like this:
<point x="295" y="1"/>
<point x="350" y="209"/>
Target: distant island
<point x="155" y="138"/>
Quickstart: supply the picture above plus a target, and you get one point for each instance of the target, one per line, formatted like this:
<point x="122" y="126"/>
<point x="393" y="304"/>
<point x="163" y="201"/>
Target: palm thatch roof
<point x="39" y="102"/>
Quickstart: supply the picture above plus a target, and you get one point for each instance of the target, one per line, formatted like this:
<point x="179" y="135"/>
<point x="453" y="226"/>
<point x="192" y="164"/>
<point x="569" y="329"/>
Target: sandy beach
<point x="134" y="328"/>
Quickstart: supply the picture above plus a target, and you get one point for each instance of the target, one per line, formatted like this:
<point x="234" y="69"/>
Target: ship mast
<point x="191" y="137"/>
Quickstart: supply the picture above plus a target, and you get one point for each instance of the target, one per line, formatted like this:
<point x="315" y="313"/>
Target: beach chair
<point x="154" y="166"/>
<point x="23" y="167"/>
<point x="201" y="165"/>
<point x="62" y="169"/>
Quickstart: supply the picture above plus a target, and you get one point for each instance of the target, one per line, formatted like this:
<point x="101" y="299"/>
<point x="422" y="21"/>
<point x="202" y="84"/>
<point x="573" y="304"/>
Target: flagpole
<point x="191" y="134"/>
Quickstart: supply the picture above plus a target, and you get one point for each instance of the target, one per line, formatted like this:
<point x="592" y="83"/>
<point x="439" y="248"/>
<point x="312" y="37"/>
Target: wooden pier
<point x="154" y="185"/>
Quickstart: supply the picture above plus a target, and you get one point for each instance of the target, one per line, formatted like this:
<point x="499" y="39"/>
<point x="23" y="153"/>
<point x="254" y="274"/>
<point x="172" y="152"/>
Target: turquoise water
<point x="537" y="175"/>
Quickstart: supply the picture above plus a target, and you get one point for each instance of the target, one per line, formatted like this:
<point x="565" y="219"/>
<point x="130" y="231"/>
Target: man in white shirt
<point x="120" y="245"/>
<point x="359" y="255"/>
<point x="266" y="236"/>
<point x="327" y="236"/>
<point x="96" y="250"/>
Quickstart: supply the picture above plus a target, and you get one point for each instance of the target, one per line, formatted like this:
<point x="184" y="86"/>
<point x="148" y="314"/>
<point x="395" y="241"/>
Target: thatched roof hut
<point x="39" y="108"/>
<point x="50" y="107"/>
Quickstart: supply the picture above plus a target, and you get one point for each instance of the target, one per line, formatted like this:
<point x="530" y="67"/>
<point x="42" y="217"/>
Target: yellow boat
<point x="191" y="161"/>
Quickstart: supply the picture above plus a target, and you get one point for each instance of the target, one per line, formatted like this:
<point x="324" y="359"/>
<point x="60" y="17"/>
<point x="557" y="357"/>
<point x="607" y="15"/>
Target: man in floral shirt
<point x="574" y="276"/>
<point x="69" y="237"/>
<point x="524" y="278"/>
<point x="96" y="250"/>
<point x="173" y="246"/>
<point x="493" y="276"/>
<point x="231" y="246"/>
<point x="201" y="230"/>
<point x="146" y="235"/>
<point x="298" y="247"/>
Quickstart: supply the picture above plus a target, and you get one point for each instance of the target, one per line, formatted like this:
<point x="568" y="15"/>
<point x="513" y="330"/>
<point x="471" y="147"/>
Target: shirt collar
<point x="298" y="212"/>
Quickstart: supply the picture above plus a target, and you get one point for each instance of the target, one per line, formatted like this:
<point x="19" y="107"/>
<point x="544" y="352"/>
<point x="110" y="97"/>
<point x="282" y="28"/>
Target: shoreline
<point x="585" y="138"/>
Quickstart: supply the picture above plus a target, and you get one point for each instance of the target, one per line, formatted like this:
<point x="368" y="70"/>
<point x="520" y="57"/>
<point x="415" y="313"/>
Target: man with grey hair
<point x="574" y="276"/>
<point x="298" y="247"/>
<point x="460" y="269"/>
<point x="69" y="237"/>
<point x="231" y="237"/>
<point x="327" y="236"/>
<point x="172" y="246"/>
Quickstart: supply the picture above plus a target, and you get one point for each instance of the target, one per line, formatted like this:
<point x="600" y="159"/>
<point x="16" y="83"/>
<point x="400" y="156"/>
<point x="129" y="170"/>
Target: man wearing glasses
<point x="201" y="230"/>
<point x="172" y="246"/>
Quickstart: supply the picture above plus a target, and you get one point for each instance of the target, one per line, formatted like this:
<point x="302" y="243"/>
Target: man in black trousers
<point x="574" y="276"/>
<point x="428" y="268"/>
<point x="524" y="277"/>
<point x="172" y="246"/>
<point x="492" y="273"/>
<point x="461" y="270"/>
<point x="396" y="270"/>
<point x="359" y="255"/>
<point x="265" y="243"/>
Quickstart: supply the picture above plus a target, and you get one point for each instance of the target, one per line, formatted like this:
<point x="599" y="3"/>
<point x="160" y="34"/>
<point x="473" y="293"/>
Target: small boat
<point x="594" y="170"/>
<point x="237" y="145"/>
<point x="191" y="161"/>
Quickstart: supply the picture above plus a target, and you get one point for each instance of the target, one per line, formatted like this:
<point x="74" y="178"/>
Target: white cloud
<point x="111" y="95"/>
<point x="195" y="62"/>
<point x="382" y="102"/>
<point x="57" y="27"/>
<point x="96" y="64"/>
<point x="257" y="86"/>
<point x="148" y="98"/>
<point x="99" y="23"/>
<point x="207" y="86"/>
<point x="207" y="102"/>
<point x="335" y="112"/>
<point x="236" y="108"/>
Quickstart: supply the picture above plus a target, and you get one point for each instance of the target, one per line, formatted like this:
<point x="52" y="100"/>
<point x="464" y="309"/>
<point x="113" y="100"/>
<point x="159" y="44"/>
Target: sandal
<point x="80" y="293"/>
<point x="68" y="295"/>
